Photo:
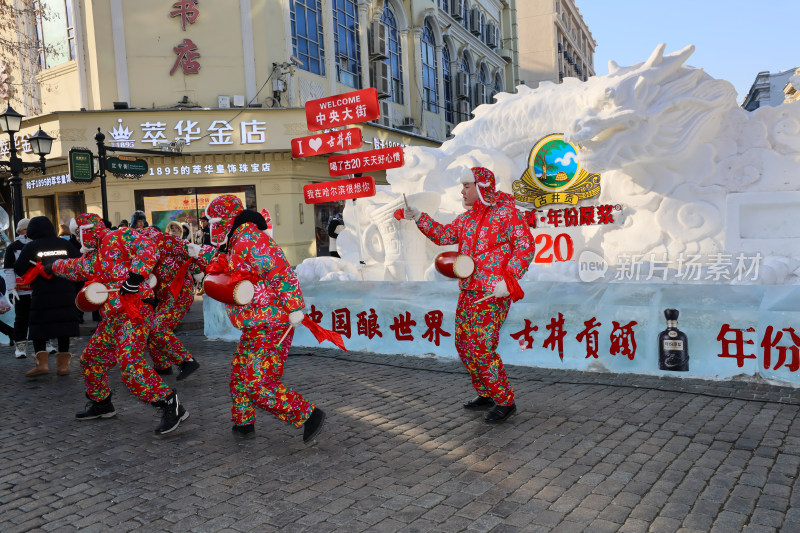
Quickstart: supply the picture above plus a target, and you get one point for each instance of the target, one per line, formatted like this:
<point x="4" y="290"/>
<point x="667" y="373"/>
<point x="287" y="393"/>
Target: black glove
<point x="131" y="285"/>
<point x="47" y="264"/>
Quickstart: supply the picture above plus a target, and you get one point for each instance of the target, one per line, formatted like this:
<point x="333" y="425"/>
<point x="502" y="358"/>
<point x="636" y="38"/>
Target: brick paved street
<point x="587" y="452"/>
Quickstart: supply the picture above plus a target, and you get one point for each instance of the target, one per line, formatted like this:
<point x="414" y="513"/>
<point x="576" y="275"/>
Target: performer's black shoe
<point x="164" y="371"/>
<point x="478" y="403"/>
<point x="101" y="409"/>
<point x="172" y="414"/>
<point x="187" y="367"/>
<point x="500" y="413"/>
<point x="244" y="431"/>
<point x="313" y="425"/>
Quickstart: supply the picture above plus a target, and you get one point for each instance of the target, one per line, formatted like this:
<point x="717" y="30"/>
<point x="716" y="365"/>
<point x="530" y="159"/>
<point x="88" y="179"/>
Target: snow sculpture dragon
<point x="671" y="144"/>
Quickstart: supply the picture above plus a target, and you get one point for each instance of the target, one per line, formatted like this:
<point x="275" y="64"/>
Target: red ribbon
<point x="131" y="305"/>
<point x="218" y="265"/>
<point x="242" y="275"/>
<point x="180" y="276"/>
<point x="513" y="286"/>
<point x="322" y="334"/>
<point x="32" y="273"/>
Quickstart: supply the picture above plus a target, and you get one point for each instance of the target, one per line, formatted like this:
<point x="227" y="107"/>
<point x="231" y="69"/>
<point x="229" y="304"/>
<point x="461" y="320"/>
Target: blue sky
<point x="734" y="40"/>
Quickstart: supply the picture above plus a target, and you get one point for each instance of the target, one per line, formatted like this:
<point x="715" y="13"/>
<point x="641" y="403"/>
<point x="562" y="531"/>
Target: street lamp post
<point x="40" y="142"/>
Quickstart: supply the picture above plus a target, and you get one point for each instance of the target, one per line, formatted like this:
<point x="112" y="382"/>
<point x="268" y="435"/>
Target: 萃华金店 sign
<point x="343" y="109"/>
<point x="334" y="191"/>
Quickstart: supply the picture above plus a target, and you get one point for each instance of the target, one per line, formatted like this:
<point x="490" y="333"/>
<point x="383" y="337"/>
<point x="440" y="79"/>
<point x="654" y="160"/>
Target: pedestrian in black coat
<point x="53" y="312"/>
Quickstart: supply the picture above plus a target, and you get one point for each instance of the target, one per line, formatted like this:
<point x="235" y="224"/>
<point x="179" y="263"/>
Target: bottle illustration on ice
<point x="673" y="346"/>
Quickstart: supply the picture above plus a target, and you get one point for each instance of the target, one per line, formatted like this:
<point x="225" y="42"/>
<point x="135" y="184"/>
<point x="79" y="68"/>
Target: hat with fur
<point x="89" y="228"/>
<point x="220" y="212"/>
<point x="484" y="181"/>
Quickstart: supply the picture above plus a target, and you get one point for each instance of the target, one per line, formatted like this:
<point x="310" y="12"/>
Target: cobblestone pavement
<point x="587" y="452"/>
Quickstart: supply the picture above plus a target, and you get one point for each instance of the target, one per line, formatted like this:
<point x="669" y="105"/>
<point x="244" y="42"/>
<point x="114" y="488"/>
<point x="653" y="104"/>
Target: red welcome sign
<point x="333" y="191"/>
<point x="339" y="165"/>
<point x="325" y="143"/>
<point x="343" y="109"/>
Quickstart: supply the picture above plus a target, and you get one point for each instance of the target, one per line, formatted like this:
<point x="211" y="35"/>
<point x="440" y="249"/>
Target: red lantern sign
<point x="343" y="109"/>
<point x="367" y="161"/>
<point x="325" y="143"/>
<point x="333" y="191"/>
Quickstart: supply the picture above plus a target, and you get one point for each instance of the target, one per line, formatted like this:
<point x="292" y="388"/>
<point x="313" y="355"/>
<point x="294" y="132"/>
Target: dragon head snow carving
<point x="672" y="147"/>
<point x="650" y="111"/>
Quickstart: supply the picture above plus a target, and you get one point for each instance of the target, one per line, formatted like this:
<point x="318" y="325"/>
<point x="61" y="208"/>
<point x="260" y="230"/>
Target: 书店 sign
<point x="325" y="143"/>
<point x="333" y="191"/>
<point x="343" y="109"/>
<point x="339" y="165"/>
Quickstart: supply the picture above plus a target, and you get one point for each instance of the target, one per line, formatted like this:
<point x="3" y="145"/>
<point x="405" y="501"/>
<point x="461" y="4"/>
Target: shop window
<point x="185" y="205"/>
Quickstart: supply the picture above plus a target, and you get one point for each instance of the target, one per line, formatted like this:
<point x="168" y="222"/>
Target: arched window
<point x="430" y="82"/>
<point x="482" y="87"/>
<point x="348" y="51"/>
<point x="395" y="66"/>
<point x="498" y="84"/>
<point x="307" y="38"/>
<point x="448" y="84"/>
<point x="464" y="68"/>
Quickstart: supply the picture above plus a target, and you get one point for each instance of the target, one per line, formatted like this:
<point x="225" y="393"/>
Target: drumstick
<point x="406" y="201"/>
<point x="484" y="298"/>
<point x="284" y="335"/>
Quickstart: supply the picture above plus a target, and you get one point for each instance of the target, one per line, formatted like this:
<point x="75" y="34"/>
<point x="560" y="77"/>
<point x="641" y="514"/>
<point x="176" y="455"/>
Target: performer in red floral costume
<point x="248" y="252"/>
<point x="174" y="292"/>
<point x="494" y="235"/>
<point x="121" y="260"/>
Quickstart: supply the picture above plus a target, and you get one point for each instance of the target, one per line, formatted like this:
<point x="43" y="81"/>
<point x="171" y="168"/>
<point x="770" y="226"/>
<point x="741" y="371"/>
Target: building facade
<point x="554" y="42"/>
<point x="767" y="90"/>
<point x="220" y="88"/>
<point x="791" y="94"/>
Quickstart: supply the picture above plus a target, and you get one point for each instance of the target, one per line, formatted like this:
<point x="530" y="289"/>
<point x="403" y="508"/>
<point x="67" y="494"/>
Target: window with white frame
<point x="307" y="39"/>
<point x="430" y="81"/>
<point x="348" y="50"/>
<point x="395" y="65"/>
<point x="55" y="32"/>
<point x="447" y="79"/>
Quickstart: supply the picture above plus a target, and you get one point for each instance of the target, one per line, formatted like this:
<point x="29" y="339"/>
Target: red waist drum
<point x="220" y="287"/>
<point x="454" y="265"/>
<point x="91" y="297"/>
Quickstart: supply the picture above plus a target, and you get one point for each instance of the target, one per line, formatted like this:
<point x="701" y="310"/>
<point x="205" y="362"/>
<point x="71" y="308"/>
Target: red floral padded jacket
<point x="277" y="290"/>
<point x="495" y="237"/>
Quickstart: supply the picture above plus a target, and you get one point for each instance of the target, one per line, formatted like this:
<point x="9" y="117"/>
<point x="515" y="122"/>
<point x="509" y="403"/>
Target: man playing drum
<point x="174" y="291"/>
<point x="121" y="260"/>
<point x="492" y="233"/>
<point x="249" y="253"/>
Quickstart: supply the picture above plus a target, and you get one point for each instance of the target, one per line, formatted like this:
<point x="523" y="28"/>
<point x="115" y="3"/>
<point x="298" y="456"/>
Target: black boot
<point x="167" y="371"/>
<point x="244" y="431"/>
<point x="313" y="425"/>
<point x="101" y="409"/>
<point x="172" y="414"/>
<point x="478" y="403"/>
<point x="187" y="367"/>
<point x="501" y="412"/>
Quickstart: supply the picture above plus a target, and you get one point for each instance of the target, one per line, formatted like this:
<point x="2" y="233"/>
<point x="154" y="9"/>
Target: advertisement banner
<point x="333" y="191"/>
<point x="340" y="165"/>
<point x="343" y="109"/>
<point x="325" y="143"/>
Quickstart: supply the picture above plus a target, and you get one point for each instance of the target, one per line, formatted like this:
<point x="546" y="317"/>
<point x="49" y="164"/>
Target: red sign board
<point x="325" y="143"/>
<point x="333" y="191"/>
<point x="343" y="109"/>
<point x="339" y="165"/>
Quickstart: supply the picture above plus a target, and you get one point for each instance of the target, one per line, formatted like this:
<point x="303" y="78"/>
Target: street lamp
<point x="40" y="142"/>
